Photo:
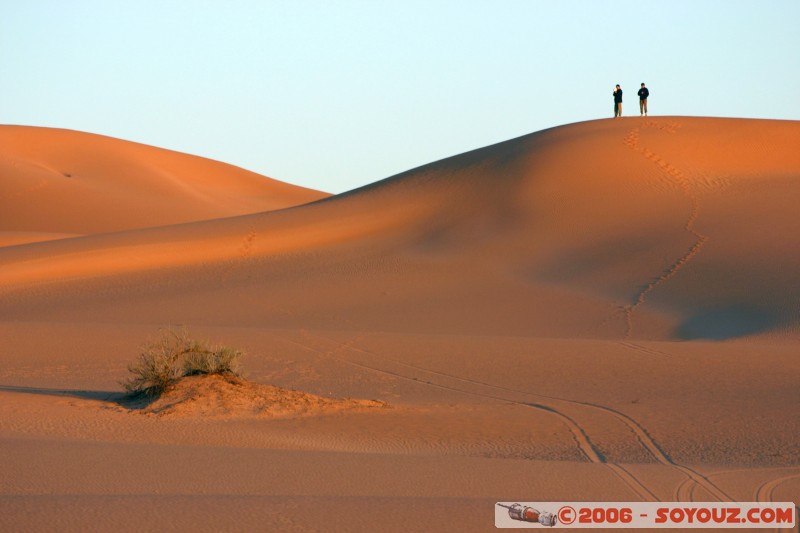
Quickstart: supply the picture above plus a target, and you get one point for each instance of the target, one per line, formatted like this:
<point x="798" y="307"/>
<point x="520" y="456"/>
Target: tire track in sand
<point x="684" y="492"/>
<point x="556" y="406"/>
<point x="673" y="176"/>
<point x="579" y="434"/>
<point x="658" y="454"/>
<point x="765" y="492"/>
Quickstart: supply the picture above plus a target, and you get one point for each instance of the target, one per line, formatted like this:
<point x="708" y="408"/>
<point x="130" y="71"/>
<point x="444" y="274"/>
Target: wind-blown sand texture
<point x="607" y="310"/>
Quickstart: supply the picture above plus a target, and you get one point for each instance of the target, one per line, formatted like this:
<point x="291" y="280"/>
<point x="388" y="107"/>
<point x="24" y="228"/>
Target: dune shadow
<point x="131" y="401"/>
<point x="115" y="397"/>
<point x="726" y="323"/>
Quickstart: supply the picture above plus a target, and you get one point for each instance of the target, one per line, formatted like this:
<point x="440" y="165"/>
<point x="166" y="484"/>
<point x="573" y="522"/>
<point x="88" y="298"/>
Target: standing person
<point x="643" y="94"/>
<point x="617" y="101"/>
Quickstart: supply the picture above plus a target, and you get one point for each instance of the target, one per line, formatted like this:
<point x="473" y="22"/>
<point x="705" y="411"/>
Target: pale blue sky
<point x="337" y="94"/>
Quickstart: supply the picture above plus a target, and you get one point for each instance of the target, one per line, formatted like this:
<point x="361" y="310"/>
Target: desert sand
<point x="602" y="311"/>
<point x="63" y="183"/>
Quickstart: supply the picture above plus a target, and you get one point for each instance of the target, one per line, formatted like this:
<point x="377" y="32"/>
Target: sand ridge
<point x="63" y="181"/>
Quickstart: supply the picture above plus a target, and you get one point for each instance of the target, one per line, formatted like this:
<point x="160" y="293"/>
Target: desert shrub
<point x="174" y="354"/>
<point x="212" y="360"/>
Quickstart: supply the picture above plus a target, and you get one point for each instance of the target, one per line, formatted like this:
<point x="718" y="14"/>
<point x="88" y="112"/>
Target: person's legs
<point x="641" y="107"/>
<point x="645" y="106"/>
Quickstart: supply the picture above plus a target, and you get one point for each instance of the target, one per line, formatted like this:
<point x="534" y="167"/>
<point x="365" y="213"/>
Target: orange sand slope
<point x="55" y="181"/>
<point x="654" y="228"/>
<point x="516" y="308"/>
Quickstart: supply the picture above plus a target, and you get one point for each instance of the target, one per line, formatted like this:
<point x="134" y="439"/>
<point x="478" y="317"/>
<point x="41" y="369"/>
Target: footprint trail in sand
<point x="678" y="177"/>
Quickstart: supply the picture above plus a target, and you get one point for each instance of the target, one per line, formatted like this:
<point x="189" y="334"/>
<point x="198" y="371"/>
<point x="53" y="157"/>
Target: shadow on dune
<point x="102" y="396"/>
<point x="726" y="323"/>
<point x="133" y="402"/>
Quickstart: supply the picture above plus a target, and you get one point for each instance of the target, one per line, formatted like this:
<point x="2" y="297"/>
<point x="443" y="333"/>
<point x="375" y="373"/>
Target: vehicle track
<point x="684" y="492"/>
<point x="765" y="492"/>
<point x="655" y="450"/>
<point x="580" y="434"/>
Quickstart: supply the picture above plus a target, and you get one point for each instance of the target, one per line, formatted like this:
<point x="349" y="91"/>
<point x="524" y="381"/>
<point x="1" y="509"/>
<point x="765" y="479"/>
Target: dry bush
<point x="212" y="360"/>
<point x="163" y="361"/>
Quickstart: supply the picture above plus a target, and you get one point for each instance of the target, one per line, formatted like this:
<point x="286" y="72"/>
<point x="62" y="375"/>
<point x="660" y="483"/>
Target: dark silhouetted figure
<point x="643" y="94"/>
<point x="617" y="102"/>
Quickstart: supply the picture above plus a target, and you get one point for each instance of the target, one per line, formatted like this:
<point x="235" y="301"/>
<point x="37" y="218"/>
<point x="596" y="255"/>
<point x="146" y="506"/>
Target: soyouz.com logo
<point x="645" y="515"/>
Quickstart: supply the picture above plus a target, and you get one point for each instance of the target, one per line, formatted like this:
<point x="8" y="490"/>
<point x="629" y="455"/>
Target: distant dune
<point x="66" y="182"/>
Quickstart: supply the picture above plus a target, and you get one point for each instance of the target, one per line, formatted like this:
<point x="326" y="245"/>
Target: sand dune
<point x="601" y="229"/>
<point x="62" y="181"/>
<point x="600" y="311"/>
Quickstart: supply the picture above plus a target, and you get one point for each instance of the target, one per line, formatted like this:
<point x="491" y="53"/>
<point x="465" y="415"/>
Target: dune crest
<point x="69" y="182"/>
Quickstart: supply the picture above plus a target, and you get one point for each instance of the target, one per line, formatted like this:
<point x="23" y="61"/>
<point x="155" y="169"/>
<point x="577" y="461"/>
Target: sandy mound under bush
<point x="230" y="396"/>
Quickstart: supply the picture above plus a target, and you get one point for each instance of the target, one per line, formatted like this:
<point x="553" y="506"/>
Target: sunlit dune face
<point x="67" y="182"/>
